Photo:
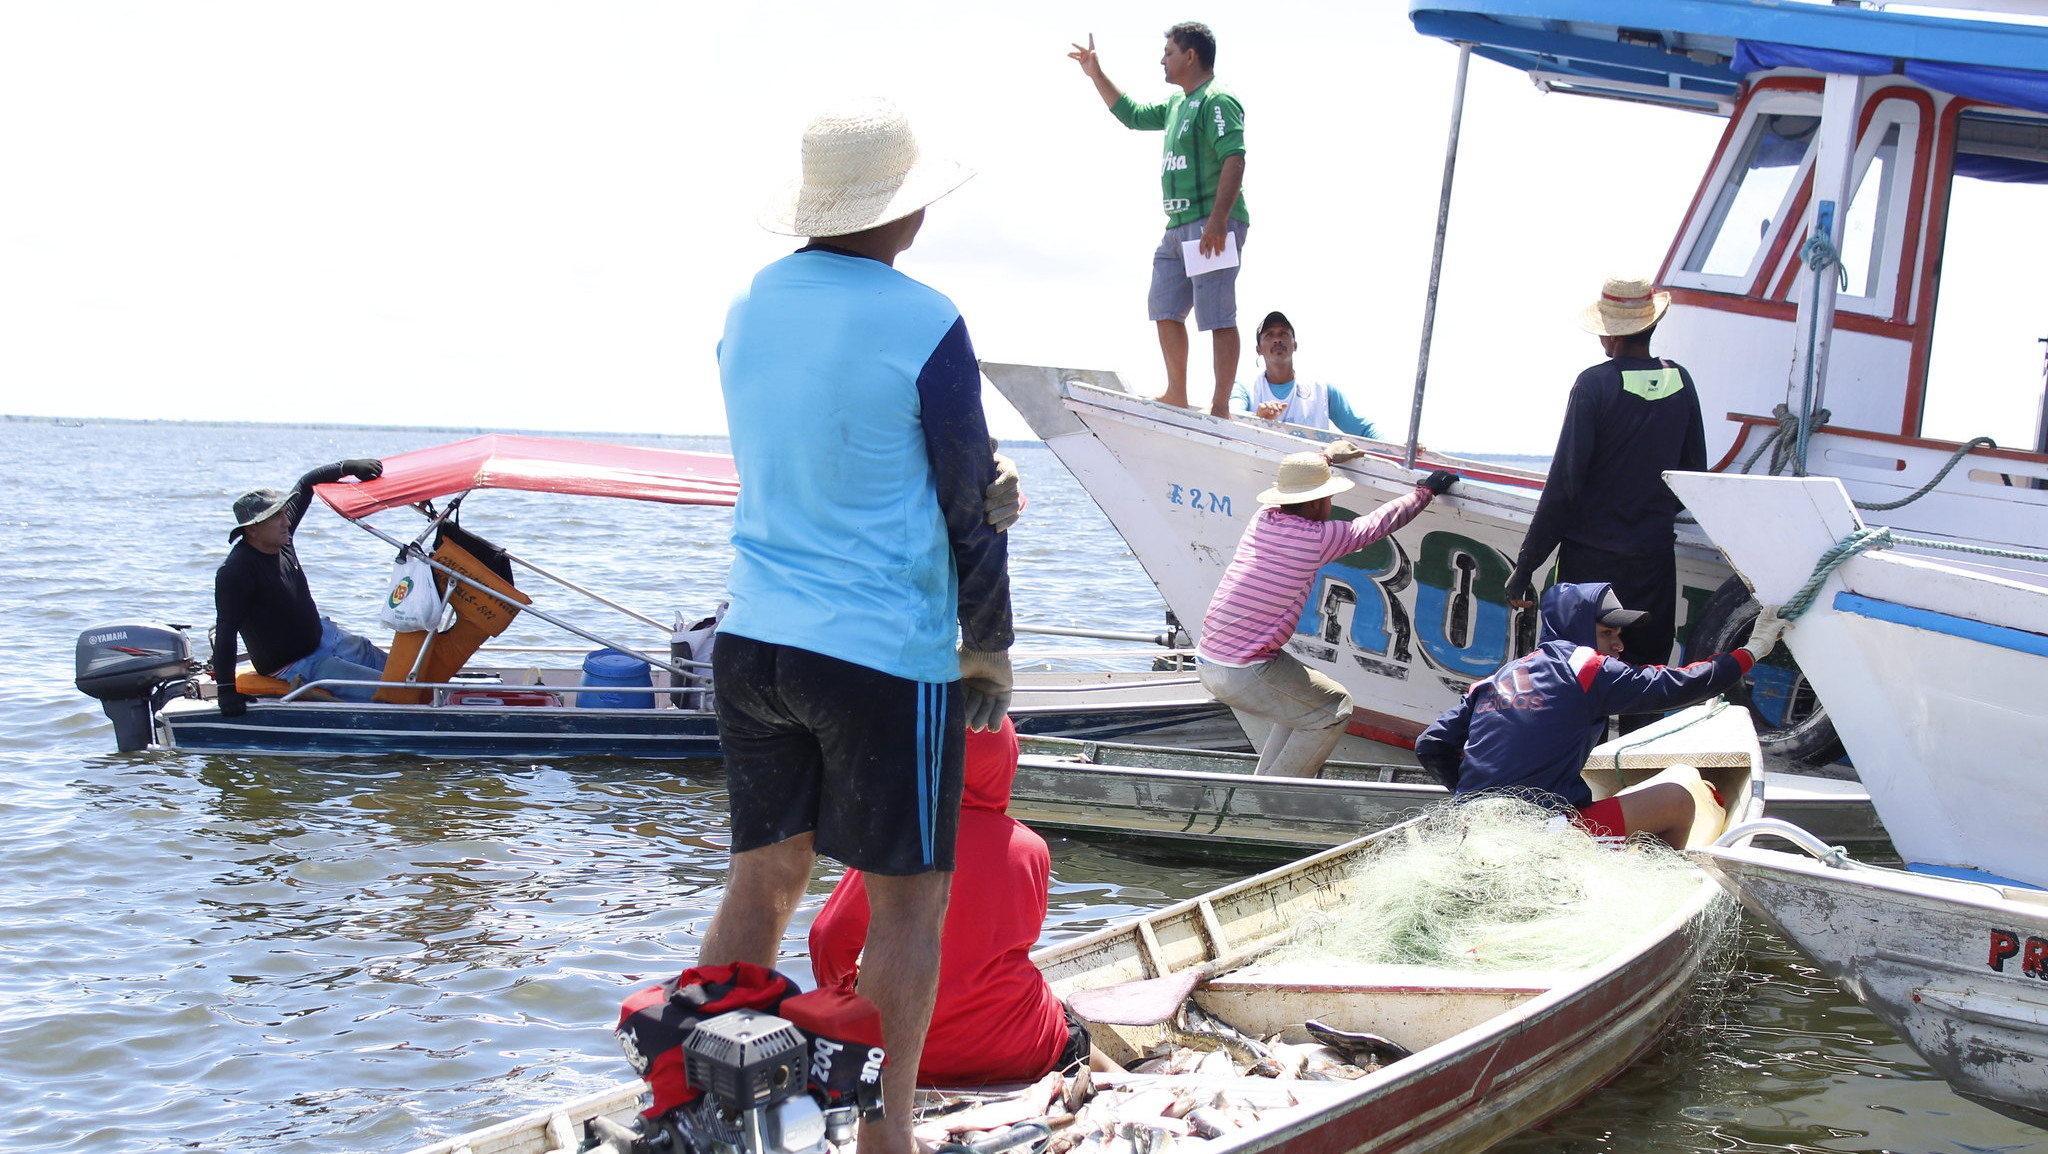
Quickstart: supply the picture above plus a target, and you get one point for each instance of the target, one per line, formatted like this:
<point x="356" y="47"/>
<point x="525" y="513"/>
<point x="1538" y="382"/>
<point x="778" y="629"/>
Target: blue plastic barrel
<point x="611" y="667"/>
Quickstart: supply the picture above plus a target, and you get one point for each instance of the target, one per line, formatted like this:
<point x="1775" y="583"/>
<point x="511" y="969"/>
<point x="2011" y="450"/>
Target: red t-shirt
<point x="995" y="1020"/>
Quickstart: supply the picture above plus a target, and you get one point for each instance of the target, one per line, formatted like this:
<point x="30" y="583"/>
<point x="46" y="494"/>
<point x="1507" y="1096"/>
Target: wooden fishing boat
<point x="1207" y="802"/>
<point x="1491" y="1054"/>
<point x="1954" y="965"/>
<point x="463" y="692"/>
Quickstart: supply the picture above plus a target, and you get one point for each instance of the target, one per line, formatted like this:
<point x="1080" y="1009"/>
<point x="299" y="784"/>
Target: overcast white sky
<point x="531" y="215"/>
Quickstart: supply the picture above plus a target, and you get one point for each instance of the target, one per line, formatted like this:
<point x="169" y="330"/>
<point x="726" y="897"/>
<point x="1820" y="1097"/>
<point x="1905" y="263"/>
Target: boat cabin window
<point x="1865" y="230"/>
<point x="1875" y="226"/>
<point x="1753" y="189"/>
<point x="1985" y="367"/>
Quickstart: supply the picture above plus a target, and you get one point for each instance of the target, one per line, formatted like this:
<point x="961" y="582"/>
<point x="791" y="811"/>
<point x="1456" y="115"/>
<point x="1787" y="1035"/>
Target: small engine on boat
<point x="133" y="668"/>
<point x="752" y="1069"/>
<point x="738" y="1062"/>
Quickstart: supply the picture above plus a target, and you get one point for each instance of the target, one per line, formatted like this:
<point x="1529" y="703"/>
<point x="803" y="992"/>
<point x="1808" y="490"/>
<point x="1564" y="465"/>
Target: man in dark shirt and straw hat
<point x="1605" y="509"/>
<point x="864" y="549"/>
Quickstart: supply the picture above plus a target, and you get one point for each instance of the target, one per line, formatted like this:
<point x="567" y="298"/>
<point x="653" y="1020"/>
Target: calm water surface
<point x="202" y="953"/>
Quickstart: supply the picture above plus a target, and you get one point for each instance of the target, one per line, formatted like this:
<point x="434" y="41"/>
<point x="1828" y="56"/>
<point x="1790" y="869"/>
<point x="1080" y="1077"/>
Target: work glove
<point x="1439" y="482"/>
<point x="1520" y="593"/>
<point x="232" y="704"/>
<point x="1763" y="636"/>
<point x="1002" y="500"/>
<point x="363" y="468"/>
<point x="986" y="677"/>
<point x="1340" y="452"/>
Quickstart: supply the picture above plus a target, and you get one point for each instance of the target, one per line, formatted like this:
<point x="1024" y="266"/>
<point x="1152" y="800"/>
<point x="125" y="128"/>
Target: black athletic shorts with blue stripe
<point x="869" y="762"/>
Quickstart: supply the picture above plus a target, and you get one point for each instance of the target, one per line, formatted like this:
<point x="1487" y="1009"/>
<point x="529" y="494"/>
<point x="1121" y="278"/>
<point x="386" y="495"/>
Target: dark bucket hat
<point x="255" y="506"/>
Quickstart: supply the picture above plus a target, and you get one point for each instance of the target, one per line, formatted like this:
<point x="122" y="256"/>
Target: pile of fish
<point x="1141" y="1113"/>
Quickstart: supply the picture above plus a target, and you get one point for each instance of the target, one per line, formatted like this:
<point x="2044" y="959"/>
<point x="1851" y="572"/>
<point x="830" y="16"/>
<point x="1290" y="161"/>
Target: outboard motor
<point x="133" y="668"/>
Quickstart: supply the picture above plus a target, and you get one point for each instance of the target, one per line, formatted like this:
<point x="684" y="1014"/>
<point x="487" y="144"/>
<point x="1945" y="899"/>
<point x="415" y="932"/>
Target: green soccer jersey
<point x="1202" y="127"/>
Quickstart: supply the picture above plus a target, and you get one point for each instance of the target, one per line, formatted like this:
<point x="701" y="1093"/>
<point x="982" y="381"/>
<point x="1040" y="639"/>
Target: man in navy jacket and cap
<point x="1528" y="728"/>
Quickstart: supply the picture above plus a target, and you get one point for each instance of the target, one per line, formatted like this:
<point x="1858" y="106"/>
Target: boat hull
<point x="1094" y="706"/>
<point x="332" y="729"/>
<point x="1210" y="804"/>
<point x="1931" y="668"/>
<point x="1508" y="1070"/>
<point x="1956" y="968"/>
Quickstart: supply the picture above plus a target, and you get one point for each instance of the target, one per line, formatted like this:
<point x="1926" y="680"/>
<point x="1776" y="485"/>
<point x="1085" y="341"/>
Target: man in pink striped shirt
<point x="1255" y="609"/>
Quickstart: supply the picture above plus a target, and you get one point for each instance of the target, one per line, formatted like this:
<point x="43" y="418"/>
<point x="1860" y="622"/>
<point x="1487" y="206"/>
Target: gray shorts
<point x="1213" y="295"/>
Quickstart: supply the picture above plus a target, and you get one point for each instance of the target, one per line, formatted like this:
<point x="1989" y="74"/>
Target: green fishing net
<point x="1495" y="884"/>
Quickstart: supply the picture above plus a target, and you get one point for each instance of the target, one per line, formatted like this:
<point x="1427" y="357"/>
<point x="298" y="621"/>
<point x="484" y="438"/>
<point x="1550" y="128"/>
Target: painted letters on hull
<point x="1404" y="624"/>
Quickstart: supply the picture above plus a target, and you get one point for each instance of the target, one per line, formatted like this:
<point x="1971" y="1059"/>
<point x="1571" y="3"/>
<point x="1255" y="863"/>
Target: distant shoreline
<point x="1525" y="460"/>
<point x="328" y="426"/>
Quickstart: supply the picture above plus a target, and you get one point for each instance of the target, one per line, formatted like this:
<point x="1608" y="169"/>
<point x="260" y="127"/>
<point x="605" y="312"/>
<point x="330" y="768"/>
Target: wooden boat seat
<point x="479" y="617"/>
<point x="250" y="683"/>
<point x="1416" y="1006"/>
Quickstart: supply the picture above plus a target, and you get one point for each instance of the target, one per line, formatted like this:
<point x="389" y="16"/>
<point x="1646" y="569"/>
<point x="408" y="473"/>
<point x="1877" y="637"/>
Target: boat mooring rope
<point x="1881" y="537"/>
<point x="1788" y="428"/>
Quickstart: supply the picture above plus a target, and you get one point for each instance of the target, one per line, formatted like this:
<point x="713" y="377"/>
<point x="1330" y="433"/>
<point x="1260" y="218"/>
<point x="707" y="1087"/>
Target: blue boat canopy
<point x="1695" y="53"/>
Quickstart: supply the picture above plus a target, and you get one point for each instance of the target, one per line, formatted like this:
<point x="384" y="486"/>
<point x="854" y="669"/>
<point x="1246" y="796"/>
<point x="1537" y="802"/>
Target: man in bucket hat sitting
<point x="260" y="596"/>
<point x="1244" y="662"/>
<point x="1606" y="509"/>
<point x="1527" y="729"/>
<point x="863" y="550"/>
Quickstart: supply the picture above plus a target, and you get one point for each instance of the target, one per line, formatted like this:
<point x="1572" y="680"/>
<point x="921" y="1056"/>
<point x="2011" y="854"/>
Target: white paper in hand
<point x="1197" y="264"/>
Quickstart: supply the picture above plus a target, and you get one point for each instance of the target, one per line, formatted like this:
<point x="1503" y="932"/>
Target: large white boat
<point x="1931" y="660"/>
<point x="1850" y="123"/>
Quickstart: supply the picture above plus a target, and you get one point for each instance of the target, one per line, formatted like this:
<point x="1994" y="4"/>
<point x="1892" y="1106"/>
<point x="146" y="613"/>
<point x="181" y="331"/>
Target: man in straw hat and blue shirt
<point x="1244" y="662"/>
<point x="1605" y="508"/>
<point x="863" y="548"/>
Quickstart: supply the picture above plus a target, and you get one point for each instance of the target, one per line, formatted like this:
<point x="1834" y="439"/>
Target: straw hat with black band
<point x="861" y="169"/>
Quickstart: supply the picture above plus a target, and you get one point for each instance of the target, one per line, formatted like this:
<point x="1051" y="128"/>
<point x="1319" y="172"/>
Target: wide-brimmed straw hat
<point x="861" y="169"/>
<point x="1303" y="477"/>
<point x="1626" y="306"/>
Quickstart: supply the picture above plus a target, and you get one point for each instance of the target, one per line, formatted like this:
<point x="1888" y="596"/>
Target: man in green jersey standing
<point x="1201" y="175"/>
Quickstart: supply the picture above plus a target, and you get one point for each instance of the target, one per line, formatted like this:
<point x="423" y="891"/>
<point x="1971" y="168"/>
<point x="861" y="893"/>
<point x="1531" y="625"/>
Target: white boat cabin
<point x="1886" y="131"/>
